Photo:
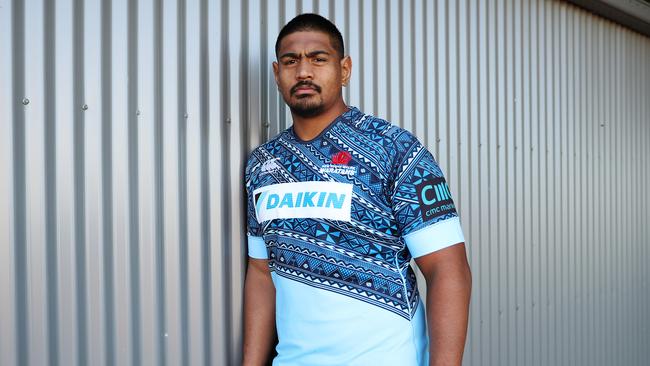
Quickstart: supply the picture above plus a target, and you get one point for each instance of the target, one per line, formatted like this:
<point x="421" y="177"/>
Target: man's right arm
<point x="259" y="313"/>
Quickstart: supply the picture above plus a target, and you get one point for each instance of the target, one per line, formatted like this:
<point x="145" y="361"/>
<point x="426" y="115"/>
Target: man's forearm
<point x="448" y="294"/>
<point x="259" y="315"/>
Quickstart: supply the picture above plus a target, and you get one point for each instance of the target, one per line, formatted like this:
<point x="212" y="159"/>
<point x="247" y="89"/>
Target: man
<point x="338" y="204"/>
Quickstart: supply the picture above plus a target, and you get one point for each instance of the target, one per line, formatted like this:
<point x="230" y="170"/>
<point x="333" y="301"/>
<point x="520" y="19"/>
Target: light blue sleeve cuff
<point x="434" y="237"/>
<point x="257" y="247"/>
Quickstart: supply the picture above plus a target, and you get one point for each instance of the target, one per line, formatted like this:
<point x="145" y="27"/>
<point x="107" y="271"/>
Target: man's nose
<point x="304" y="70"/>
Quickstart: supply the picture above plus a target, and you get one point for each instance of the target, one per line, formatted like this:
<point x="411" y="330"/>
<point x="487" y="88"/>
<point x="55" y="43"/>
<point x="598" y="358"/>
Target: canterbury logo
<point x="325" y="200"/>
<point x="271" y="166"/>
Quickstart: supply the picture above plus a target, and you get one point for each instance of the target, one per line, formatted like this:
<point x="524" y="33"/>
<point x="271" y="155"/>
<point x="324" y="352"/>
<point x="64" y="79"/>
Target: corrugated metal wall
<point x="125" y="125"/>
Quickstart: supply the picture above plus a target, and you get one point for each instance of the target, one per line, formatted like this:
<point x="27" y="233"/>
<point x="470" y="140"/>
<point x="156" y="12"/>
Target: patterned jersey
<point x="339" y="218"/>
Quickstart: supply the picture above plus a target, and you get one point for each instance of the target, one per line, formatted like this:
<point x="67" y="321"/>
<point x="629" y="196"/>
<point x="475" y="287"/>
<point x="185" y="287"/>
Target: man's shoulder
<point x="392" y="136"/>
<point x="261" y="154"/>
<point x="266" y="146"/>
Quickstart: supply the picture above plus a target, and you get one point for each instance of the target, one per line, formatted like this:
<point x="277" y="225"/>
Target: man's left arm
<point x="449" y="284"/>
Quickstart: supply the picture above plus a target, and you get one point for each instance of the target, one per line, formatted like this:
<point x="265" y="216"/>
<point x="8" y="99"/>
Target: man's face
<point x="310" y="73"/>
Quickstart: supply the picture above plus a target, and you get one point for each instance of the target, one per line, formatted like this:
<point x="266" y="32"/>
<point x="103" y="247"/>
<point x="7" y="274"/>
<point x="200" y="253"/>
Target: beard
<point x="307" y="105"/>
<point x="304" y="107"/>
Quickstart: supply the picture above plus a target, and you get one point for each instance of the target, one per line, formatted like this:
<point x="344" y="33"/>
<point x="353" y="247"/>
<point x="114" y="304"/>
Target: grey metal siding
<point x="126" y="124"/>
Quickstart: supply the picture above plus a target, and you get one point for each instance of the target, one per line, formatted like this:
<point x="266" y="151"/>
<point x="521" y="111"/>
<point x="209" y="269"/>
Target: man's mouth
<point x="305" y="89"/>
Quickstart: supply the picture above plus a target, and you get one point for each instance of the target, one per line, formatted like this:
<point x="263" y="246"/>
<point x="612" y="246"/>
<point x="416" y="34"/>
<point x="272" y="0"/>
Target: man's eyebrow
<point x="317" y="52"/>
<point x="289" y="54"/>
<point x="310" y="54"/>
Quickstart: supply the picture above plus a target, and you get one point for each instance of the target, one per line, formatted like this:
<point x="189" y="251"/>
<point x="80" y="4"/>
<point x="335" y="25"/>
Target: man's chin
<point x="306" y="110"/>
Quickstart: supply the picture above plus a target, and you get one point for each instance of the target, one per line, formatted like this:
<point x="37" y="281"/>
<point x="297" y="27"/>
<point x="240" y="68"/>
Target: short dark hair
<point x="312" y="22"/>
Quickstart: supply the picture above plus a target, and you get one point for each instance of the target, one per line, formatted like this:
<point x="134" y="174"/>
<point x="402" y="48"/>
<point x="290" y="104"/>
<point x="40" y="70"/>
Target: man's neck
<point x="310" y="127"/>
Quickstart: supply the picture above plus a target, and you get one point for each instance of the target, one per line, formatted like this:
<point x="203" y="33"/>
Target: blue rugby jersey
<point x="339" y="218"/>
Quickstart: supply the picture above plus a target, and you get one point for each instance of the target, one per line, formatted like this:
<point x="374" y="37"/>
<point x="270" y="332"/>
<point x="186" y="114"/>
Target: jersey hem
<point x="434" y="237"/>
<point x="257" y="247"/>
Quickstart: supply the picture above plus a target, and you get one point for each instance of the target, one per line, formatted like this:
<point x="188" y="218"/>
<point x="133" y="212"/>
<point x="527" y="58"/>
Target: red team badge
<point x="342" y="158"/>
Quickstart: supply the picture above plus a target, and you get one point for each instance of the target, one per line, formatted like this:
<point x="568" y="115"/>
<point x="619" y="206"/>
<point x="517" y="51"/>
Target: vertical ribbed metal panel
<point x="125" y="125"/>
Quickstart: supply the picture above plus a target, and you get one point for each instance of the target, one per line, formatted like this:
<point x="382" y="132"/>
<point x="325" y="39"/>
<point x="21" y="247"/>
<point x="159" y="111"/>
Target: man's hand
<point x="449" y="284"/>
<point x="259" y="313"/>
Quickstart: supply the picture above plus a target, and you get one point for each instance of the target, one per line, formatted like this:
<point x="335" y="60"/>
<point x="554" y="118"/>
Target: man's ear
<point x="346" y="70"/>
<point x="276" y="70"/>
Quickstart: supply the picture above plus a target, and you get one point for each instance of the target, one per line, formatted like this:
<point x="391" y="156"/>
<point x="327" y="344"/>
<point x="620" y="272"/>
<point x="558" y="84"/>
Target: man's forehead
<point x="307" y="41"/>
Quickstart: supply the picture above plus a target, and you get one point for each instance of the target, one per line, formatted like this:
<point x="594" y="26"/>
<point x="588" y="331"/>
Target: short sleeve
<point x="256" y="244"/>
<point x="422" y="203"/>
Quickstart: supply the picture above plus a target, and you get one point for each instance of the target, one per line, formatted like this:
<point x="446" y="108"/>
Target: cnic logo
<point x="435" y="198"/>
<point x="432" y="193"/>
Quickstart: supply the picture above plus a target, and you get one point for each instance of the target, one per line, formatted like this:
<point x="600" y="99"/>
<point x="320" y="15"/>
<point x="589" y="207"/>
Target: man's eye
<point x="320" y="59"/>
<point x="290" y="62"/>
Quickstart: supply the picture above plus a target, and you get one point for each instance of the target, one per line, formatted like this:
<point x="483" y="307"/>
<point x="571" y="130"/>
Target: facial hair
<point x="304" y="108"/>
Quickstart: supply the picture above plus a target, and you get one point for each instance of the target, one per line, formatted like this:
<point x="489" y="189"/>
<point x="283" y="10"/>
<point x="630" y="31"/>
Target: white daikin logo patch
<point x="322" y="200"/>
